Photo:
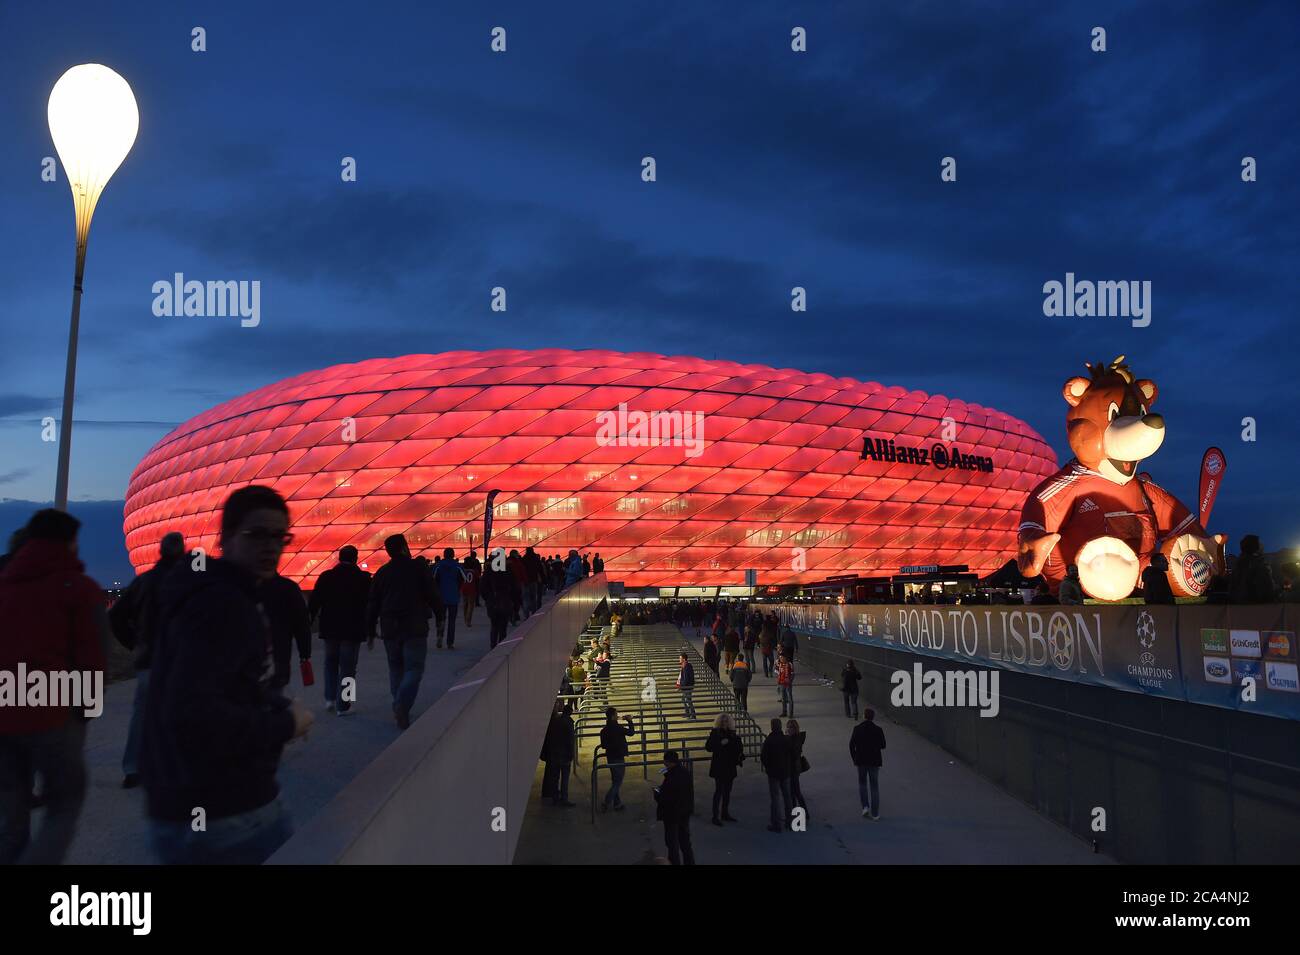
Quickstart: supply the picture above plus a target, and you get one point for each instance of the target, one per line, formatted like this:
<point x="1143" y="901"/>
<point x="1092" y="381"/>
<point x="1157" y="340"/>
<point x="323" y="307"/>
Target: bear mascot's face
<point x="1110" y="424"/>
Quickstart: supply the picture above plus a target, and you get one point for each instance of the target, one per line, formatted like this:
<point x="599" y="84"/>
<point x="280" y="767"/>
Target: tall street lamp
<point x="93" y="121"/>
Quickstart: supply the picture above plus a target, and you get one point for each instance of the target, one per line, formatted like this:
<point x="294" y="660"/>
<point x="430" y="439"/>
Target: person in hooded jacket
<point x="447" y="581"/>
<point x="133" y="618"/>
<point x="572" y="569"/>
<point x="215" y="721"/>
<point x="54" y="621"/>
<point x="338" y="602"/>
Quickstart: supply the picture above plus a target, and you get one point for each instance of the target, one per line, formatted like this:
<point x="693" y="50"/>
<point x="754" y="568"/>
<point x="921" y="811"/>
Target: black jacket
<point x="676" y="795"/>
<point x="613" y="736"/>
<point x="286" y="611"/>
<point x="775" y="756"/>
<point x="500" y="592"/>
<point x="135" y="614"/>
<point x="213" y="725"/>
<point x="339" y="600"/>
<point x="865" y="744"/>
<point x="1155" y="587"/>
<point x="728" y="753"/>
<point x="789" y="643"/>
<point x="557" y="747"/>
<point x="796" y="752"/>
<point x="401" y="599"/>
<point x="849" y="677"/>
<point x="1252" y="581"/>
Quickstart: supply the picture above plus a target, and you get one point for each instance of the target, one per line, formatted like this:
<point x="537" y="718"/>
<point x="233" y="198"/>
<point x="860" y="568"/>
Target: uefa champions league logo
<point x="1146" y="634"/>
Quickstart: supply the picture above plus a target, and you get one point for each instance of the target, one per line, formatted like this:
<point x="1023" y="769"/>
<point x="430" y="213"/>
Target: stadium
<point x="798" y="476"/>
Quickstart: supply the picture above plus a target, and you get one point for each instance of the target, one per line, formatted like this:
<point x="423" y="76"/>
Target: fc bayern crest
<point x="1196" y="573"/>
<point x="1214" y="464"/>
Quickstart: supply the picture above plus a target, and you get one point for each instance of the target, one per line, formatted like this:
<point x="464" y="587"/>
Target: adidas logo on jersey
<point x="1087" y="505"/>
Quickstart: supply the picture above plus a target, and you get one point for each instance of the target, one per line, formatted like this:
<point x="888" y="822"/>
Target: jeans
<point x="57" y="755"/>
<point x="796" y="794"/>
<point x="340" y="664"/>
<point x="247" y="838"/>
<point x="131" y="755"/>
<point x="869" y="774"/>
<point x="742" y="698"/>
<point x="451" y="624"/>
<point x="779" y="788"/>
<point x="722" y="796"/>
<point x="767" y="664"/>
<point x="787" y="700"/>
<point x="405" y="669"/>
<point x="470" y="601"/>
<point x="688" y="703"/>
<point x="555" y="781"/>
<point x="850" y="704"/>
<point x="498" y="629"/>
<point x="677" y="837"/>
<point x="616" y="773"/>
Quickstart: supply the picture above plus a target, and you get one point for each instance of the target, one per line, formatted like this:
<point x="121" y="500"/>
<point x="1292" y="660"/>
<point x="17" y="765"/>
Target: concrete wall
<point x="1180" y="782"/>
<point x="434" y="794"/>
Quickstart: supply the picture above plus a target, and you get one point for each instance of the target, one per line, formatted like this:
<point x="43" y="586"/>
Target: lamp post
<point x="93" y="121"/>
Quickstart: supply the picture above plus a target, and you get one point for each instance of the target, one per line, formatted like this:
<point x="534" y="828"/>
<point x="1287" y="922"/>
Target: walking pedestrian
<point x="775" y="758"/>
<point x="849" y="679"/>
<point x="728" y="753"/>
<point x="557" y="754"/>
<point x="798" y="762"/>
<point x="469" y="589"/>
<point x="675" y="799"/>
<point x="741" y="674"/>
<point x="711" y="653"/>
<point x="448" y="578"/>
<point x="865" y="746"/>
<point x="134" y="617"/>
<point x="614" y="736"/>
<point x="785" y="684"/>
<point x="731" y="647"/>
<point x="401" y="599"/>
<point x="215" y="722"/>
<point x="500" y="593"/>
<point x="338" y="606"/>
<point x="54" y="622"/>
<point x="686" y="684"/>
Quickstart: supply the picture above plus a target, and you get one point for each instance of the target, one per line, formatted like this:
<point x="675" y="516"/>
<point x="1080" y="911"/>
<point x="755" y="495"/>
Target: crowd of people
<point x="213" y="640"/>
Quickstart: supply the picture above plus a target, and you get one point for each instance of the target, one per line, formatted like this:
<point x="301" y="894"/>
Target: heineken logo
<point x="938" y="456"/>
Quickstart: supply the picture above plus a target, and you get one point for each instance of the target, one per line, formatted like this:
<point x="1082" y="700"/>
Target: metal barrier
<point x="642" y="684"/>
<point x="454" y="786"/>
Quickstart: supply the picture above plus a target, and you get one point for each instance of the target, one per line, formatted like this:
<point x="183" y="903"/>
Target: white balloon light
<point x="93" y="121"/>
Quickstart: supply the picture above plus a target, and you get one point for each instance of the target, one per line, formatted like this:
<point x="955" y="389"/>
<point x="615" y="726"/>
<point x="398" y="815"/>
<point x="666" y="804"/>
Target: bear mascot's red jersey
<point x="1097" y="513"/>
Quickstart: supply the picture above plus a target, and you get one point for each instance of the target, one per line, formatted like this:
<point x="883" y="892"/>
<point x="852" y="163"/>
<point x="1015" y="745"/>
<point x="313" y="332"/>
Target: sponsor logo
<point x="1279" y="643"/>
<point x="1216" y="670"/>
<point x="1245" y="643"/>
<point x="1214" y="640"/>
<point x="938" y="457"/>
<point x="1282" y="676"/>
<point x="1088" y="505"/>
<point x="1246" y="668"/>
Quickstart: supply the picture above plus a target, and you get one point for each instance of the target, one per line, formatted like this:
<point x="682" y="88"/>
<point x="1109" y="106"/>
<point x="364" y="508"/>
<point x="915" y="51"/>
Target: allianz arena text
<point x="677" y="470"/>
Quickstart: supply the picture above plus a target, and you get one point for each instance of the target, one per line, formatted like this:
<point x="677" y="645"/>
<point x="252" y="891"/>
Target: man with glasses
<point x="215" y="722"/>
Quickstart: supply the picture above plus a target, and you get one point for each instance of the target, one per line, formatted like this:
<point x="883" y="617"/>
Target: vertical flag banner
<point x="1212" y="467"/>
<point x="487" y="521"/>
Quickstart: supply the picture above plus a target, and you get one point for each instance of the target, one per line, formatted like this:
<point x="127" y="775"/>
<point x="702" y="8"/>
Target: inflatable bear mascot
<point x="1098" y="513"/>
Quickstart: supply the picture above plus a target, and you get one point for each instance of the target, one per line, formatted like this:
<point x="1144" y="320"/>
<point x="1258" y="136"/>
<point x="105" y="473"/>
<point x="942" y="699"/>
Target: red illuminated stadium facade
<point x="795" y="470"/>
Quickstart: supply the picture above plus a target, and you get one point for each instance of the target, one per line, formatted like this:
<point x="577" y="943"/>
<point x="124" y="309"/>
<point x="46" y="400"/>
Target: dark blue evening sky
<point x="775" y="169"/>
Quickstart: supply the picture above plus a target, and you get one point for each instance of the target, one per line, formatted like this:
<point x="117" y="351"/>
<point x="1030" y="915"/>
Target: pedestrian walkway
<point x="934" y="809"/>
<point x="112" y="828"/>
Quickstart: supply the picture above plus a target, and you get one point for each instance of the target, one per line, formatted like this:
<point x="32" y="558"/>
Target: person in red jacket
<point x="55" y="622"/>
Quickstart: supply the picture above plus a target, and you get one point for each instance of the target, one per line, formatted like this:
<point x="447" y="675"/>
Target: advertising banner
<point x="1197" y="653"/>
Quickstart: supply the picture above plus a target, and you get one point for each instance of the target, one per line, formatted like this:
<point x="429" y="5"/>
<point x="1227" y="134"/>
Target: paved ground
<point x="935" y="810"/>
<point x="312" y="771"/>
